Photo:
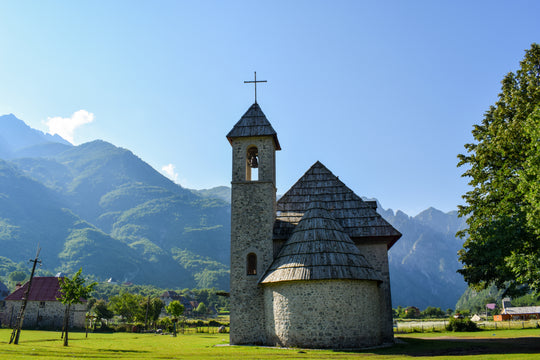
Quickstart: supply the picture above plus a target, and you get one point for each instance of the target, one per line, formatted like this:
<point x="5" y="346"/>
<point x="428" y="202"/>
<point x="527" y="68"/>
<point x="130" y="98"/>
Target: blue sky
<point x="384" y="93"/>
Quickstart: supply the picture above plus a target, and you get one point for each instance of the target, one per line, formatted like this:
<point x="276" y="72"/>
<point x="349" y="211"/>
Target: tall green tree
<point x="176" y="309"/>
<point x="102" y="311"/>
<point x="201" y="309"/>
<point x="150" y="309"/>
<point x="502" y="244"/>
<point x="73" y="291"/>
<point x="127" y="305"/>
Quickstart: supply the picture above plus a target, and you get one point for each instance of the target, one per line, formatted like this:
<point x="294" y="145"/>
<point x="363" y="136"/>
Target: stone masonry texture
<point x="323" y="314"/>
<point x="252" y="219"/>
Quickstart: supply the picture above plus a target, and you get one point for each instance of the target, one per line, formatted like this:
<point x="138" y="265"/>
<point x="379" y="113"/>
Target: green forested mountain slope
<point x="101" y="207"/>
<point x="31" y="214"/>
<point x="86" y="173"/>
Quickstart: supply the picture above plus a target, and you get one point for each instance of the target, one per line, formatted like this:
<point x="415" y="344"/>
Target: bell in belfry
<point x="252" y="158"/>
<point x="253" y="162"/>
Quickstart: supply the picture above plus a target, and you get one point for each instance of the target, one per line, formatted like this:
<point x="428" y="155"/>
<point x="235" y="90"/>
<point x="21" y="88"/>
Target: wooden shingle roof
<point x="522" y="310"/>
<point x="319" y="249"/>
<point x="359" y="218"/>
<point x="171" y="294"/>
<point x="253" y="123"/>
<point x="44" y="288"/>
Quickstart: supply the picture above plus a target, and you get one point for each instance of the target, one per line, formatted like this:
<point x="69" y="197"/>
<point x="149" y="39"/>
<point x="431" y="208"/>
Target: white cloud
<point x="168" y="170"/>
<point x="65" y="127"/>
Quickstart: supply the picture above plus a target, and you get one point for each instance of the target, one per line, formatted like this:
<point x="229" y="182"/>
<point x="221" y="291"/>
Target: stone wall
<point x="267" y="159"/>
<point x="252" y="220"/>
<point x="43" y="314"/>
<point x="376" y="254"/>
<point x="323" y="314"/>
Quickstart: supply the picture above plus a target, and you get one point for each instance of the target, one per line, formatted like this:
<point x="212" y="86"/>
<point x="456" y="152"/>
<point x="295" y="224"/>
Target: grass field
<point x="502" y="344"/>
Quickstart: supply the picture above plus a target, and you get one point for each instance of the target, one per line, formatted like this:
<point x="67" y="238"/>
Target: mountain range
<point x="423" y="263"/>
<point x="102" y="208"/>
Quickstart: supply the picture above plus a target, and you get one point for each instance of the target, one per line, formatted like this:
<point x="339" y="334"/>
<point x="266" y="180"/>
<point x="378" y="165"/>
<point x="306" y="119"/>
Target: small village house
<point x="43" y="310"/>
<point x="510" y="312"/>
<point x="169" y="296"/>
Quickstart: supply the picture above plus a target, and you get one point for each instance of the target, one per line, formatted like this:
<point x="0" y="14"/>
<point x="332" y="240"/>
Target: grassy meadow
<point x="501" y="344"/>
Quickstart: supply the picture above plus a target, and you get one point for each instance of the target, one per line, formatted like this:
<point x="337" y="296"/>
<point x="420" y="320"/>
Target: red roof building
<point x="43" y="289"/>
<point x="43" y="309"/>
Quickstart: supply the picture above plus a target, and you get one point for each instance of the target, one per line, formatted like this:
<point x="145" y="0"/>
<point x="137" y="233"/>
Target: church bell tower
<point x="253" y="207"/>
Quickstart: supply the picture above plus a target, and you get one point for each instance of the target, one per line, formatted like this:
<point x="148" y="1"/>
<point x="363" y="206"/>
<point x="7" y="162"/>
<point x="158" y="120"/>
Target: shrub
<point x="214" y="323"/>
<point x="122" y="328"/>
<point x="165" y="324"/>
<point x="459" y="325"/>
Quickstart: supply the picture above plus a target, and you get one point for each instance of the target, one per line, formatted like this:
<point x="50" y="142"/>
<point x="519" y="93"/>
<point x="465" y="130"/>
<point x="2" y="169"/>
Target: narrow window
<point x="42" y="304"/>
<point x="252" y="164"/>
<point x="252" y="264"/>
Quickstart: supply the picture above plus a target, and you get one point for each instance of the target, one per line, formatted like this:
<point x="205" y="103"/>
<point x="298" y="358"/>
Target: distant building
<point x="510" y="312"/>
<point x="412" y="311"/>
<point x="43" y="309"/>
<point x="112" y="281"/>
<point x="169" y="296"/>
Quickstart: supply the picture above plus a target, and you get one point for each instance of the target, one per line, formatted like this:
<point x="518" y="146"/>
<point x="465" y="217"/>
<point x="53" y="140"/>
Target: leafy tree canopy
<point x="73" y="290"/>
<point x="201" y="309"/>
<point x="101" y="310"/>
<point x="175" y="308"/>
<point x="503" y="207"/>
<point x="127" y="306"/>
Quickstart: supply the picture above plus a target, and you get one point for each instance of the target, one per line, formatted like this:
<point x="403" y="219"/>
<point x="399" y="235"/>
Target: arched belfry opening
<point x="251" y="263"/>
<point x="252" y="164"/>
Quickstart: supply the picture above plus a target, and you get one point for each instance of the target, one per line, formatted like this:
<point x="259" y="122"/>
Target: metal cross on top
<point x="255" y="82"/>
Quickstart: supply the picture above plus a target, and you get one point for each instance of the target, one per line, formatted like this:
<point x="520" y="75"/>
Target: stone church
<point x="311" y="269"/>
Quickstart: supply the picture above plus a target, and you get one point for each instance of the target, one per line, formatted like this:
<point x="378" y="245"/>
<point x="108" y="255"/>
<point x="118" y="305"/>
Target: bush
<point x="123" y="328"/>
<point x="165" y="324"/>
<point x="214" y="323"/>
<point x="460" y="325"/>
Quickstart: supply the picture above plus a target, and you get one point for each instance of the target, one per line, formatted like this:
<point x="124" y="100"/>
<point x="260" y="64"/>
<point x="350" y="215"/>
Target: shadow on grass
<point x="452" y="346"/>
<point x="39" y="340"/>
<point x="123" y="351"/>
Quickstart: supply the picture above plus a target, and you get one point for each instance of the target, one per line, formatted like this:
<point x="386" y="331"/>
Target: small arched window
<point x="252" y="164"/>
<point x="252" y="264"/>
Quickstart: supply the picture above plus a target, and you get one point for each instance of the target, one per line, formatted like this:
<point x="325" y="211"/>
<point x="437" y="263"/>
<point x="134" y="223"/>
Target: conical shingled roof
<point x="253" y="123"/>
<point x="319" y="249"/>
<point x="359" y="218"/>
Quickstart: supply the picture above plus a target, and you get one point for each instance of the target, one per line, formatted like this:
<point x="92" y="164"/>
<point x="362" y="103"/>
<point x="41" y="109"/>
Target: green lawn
<point x="522" y="344"/>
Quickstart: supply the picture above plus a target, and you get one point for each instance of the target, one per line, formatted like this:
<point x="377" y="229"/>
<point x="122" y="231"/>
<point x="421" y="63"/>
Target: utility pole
<point x="146" y="317"/>
<point x="20" y="318"/>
